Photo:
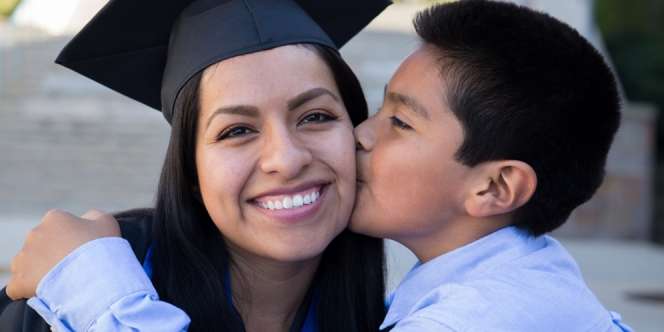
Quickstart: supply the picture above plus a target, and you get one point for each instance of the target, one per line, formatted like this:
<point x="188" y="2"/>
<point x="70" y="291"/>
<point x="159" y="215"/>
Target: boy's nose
<point x="365" y="136"/>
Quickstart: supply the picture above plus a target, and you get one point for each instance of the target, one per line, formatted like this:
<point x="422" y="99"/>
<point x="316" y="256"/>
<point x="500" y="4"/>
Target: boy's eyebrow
<point x="409" y="102"/>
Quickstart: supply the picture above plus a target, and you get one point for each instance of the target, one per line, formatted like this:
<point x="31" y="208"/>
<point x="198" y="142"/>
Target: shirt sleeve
<point x="101" y="286"/>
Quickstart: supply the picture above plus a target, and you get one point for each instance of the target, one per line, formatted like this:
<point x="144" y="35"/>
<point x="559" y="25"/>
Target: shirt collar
<point x="490" y="251"/>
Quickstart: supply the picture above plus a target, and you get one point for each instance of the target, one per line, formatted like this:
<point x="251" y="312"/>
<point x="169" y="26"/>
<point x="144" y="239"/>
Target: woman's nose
<point x="284" y="154"/>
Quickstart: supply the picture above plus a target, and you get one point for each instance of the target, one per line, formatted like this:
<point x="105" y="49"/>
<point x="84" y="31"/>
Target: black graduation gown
<point x="17" y="316"/>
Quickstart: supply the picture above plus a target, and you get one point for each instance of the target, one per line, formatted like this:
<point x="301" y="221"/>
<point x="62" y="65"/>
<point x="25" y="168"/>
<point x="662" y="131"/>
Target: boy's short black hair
<point x="526" y="87"/>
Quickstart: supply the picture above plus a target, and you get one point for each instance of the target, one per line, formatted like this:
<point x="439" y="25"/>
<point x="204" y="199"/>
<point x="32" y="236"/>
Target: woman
<point x="248" y="228"/>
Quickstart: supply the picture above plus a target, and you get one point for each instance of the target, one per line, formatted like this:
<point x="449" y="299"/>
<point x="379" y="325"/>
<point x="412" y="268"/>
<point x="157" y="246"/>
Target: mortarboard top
<point x="148" y="49"/>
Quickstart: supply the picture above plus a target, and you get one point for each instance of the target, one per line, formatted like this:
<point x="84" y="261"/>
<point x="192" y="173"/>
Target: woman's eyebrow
<point x="308" y="95"/>
<point x="252" y="111"/>
<point x="245" y="110"/>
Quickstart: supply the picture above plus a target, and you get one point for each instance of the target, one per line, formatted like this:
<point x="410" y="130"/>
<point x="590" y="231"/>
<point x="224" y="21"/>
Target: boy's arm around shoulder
<point x="100" y="285"/>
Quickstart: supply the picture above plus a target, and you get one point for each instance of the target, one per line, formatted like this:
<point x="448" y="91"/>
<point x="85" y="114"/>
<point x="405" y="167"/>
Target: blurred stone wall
<point x="623" y="206"/>
<point x="66" y="141"/>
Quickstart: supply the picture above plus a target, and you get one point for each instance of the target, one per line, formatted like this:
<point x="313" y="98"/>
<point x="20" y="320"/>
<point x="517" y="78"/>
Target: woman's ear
<point x="500" y="187"/>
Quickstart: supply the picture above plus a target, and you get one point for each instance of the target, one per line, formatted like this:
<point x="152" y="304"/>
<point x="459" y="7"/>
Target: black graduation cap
<point x="148" y="49"/>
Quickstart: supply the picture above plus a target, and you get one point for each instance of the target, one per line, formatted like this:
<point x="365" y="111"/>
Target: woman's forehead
<point x="268" y="76"/>
<point x="266" y="60"/>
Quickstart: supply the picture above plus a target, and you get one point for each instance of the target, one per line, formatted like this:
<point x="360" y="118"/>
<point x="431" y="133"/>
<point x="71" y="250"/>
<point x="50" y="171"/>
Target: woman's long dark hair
<point x="190" y="258"/>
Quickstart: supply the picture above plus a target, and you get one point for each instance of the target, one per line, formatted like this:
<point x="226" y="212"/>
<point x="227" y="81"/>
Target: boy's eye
<point x="317" y="118"/>
<point x="234" y="132"/>
<point x="399" y="124"/>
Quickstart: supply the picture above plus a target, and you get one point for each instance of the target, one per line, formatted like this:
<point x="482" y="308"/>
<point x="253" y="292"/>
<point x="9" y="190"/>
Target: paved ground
<point x="68" y="143"/>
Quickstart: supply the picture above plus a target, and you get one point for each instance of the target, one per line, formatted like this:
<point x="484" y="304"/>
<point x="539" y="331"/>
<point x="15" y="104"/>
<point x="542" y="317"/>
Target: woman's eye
<point x="234" y="132"/>
<point x="317" y="118"/>
<point x="399" y="124"/>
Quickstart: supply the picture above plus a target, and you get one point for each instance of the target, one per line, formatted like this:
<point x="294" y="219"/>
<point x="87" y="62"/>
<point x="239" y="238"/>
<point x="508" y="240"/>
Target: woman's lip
<point x="292" y="190"/>
<point x="294" y="215"/>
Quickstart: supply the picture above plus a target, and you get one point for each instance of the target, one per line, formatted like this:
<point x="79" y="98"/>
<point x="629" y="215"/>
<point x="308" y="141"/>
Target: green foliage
<point x="634" y="35"/>
<point x="7" y="7"/>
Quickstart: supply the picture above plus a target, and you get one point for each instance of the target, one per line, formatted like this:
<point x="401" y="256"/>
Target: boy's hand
<point x="58" y="234"/>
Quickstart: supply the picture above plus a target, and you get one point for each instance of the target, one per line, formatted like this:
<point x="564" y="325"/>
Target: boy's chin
<point x="363" y="224"/>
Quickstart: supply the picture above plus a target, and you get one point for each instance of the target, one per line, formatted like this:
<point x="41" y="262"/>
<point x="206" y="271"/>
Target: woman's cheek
<point x="344" y="154"/>
<point x="221" y="177"/>
<point x="336" y="149"/>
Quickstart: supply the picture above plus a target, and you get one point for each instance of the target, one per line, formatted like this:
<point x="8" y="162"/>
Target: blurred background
<point x="67" y="142"/>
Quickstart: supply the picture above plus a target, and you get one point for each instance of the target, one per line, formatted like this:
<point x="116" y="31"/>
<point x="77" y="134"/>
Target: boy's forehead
<point x="421" y="66"/>
<point x="419" y="81"/>
<point x="418" y="77"/>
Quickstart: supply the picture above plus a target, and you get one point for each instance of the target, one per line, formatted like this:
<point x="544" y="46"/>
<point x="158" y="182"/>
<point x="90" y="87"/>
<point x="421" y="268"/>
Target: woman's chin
<point x="295" y="254"/>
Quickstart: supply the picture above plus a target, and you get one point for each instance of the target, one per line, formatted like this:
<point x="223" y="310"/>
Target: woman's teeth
<point x="290" y="202"/>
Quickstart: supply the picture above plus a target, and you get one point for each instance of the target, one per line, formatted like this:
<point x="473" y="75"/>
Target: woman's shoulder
<point x="136" y="227"/>
<point x="17" y="316"/>
<point x="135" y="220"/>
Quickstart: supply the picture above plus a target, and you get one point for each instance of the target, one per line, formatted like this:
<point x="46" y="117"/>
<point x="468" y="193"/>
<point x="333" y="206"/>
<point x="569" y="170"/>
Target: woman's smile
<point x="292" y="205"/>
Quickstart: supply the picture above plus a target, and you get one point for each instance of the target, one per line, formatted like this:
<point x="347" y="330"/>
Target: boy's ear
<point x="500" y="187"/>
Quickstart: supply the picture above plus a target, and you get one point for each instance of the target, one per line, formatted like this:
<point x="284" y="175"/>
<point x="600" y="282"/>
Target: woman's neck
<point x="268" y="293"/>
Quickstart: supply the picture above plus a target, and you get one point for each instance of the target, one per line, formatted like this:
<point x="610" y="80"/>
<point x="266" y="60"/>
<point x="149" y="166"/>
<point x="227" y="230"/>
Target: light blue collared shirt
<point x="101" y="286"/>
<point x="505" y="281"/>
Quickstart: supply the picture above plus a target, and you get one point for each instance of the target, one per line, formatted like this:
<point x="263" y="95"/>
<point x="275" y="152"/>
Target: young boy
<point x="490" y="135"/>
